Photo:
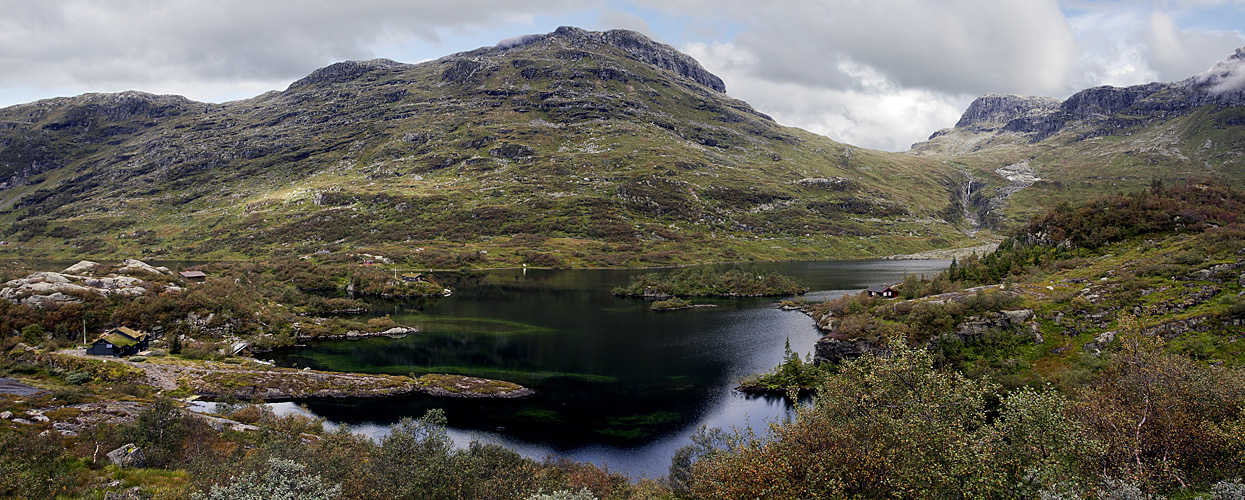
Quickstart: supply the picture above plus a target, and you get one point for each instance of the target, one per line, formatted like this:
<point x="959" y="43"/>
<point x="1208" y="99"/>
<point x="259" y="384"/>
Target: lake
<point x="617" y="384"/>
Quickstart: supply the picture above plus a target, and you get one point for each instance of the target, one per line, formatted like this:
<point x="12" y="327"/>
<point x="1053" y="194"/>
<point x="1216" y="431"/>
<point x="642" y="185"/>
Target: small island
<point x="676" y="304"/>
<point x="705" y="282"/>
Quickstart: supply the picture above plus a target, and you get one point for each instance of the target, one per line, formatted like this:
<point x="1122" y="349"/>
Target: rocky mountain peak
<point x="995" y="108"/>
<point x="347" y="70"/>
<point x="634" y="45"/>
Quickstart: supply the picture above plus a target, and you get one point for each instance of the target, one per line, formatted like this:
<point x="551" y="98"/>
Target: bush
<point x="77" y="378"/>
<point x="284" y="480"/>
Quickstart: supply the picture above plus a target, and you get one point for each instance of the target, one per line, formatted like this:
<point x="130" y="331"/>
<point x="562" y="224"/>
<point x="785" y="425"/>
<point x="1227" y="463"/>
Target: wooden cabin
<point x="194" y="275"/>
<point x="120" y="341"/>
<point x="882" y="291"/>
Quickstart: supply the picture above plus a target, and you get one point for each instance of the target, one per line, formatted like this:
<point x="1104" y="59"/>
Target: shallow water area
<point x="617" y="384"/>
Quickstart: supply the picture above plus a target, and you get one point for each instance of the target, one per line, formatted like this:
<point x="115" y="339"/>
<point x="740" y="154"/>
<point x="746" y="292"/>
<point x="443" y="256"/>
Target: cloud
<point x="874" y="112"/>
<point x="144" y="43"/>
<point x="1178" y="53"/>
<point x="954" y="46"/>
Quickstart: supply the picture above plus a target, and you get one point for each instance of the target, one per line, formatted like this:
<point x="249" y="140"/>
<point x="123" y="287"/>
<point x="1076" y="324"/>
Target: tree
<point x="33" y="335"/>
<point x="414" y="460"/>
<point x="1160" y="416"/>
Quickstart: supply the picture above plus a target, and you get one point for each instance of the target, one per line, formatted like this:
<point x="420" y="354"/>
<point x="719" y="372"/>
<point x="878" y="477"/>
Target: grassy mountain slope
<point x="573" y="148"/>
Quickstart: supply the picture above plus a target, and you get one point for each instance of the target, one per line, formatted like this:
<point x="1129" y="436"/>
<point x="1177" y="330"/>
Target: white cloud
<point x="874" y="112"/>
<point x="1177" y="53"/>
<point x="147" y="44"/>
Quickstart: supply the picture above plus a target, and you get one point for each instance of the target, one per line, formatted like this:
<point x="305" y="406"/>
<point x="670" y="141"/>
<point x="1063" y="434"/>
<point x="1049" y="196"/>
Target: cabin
<point x="194" y="275"/>
<point x="882" y="291"/>
<point x="120" y="341"/>
<point x="415" y="278"/>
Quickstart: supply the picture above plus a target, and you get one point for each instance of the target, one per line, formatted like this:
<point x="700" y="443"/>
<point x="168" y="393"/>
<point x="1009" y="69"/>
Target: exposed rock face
<point x="40" y="289"/>
<point x="131" y="266"/>
<point x="82" y="267"/>
<point x="635" y="45"/>
<point x="1000" y="109"/>
<point x="832" y="350"/>
<point x="1103" y="109"/>
<point x="128" y="456"/>
<point x="346" y="71"/>
<point x="977" y="326"/>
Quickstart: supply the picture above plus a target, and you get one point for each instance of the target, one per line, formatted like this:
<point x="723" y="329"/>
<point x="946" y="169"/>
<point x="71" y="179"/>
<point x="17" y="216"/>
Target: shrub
<point x="77" y="378"/>
<point x="284" y="480"/>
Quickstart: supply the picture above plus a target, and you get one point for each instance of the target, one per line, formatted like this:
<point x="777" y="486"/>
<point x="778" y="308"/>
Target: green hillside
<point x="572" y="149"/>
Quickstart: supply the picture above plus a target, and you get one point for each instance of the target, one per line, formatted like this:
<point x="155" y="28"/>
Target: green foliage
<point x="35" y="466"/>
<point x="670" y="304"/>
<point x="33" y="334"/>
<point x="882" y="427"/>
<point x="1157" y="413"/>
<point x="707" y="444"/>
<point x="790" y="378"/>
<point x="77" y="378"/>
<point x="284" y="480"/>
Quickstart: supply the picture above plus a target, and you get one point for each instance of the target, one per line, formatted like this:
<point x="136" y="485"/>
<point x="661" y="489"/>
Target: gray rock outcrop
<point x="995" y="109"/>
<point x="974" y="328"/>
<point x="831" y="350"/>
<point x="128" y="455"/>
<point x="43" y="288"/>
<point x="635" y="45"/>
<point x="82" y="267"/>
<point x="1104" y="109"/>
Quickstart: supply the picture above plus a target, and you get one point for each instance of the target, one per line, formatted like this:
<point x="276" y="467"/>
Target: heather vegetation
<point x="1094" y="355"/>
<point x="1074" y="366"/>
<point x="288" y="456"/>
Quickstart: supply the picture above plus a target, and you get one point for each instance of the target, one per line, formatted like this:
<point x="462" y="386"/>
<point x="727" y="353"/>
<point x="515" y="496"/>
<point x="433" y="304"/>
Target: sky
<point x="880" y="74"/>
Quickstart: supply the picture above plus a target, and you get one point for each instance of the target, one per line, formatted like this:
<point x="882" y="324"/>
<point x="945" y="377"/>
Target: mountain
<point x="568" y="148"/>
<point x="571" y="148"/>
<point x="1022" y="154"/>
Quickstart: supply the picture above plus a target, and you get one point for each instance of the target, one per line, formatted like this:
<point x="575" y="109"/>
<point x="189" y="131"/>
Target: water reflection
<point x="618" y="384"/>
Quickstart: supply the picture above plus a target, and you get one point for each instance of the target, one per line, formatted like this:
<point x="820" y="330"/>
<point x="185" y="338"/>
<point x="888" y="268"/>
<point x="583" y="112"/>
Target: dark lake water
<point x="617" y="384"/>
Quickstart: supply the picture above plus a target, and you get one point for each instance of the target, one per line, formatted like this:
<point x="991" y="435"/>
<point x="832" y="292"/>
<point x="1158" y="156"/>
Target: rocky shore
<point x="251" y="380"/>
<point x="396" y="332"/>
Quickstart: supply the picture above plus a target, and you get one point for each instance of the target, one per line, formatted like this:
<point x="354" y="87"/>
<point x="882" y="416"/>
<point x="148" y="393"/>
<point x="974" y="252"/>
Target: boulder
<point x="129" y="266"/>
<point x="41" y="301"/>
<point x="977" y="326"/>
<point x="832" y="350"/>
<point x="82" y="267"/>
<point x="128" y="456"/>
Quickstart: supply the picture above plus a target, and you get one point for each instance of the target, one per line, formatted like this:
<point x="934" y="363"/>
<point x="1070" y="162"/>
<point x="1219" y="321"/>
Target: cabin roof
<point x="123" y="336"/>
<point x="193" y="274"/>
<point x="880" y="288"/>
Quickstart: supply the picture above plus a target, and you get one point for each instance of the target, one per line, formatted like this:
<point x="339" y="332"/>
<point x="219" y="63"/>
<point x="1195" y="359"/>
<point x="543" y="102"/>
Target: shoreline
<point x="947" y="253"/>
<point x="214" y="379"/>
